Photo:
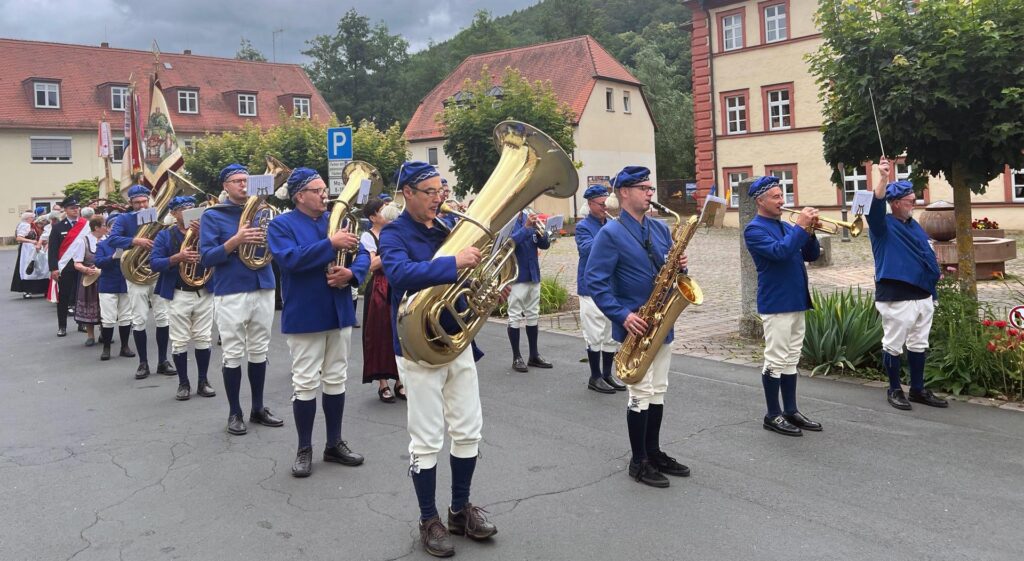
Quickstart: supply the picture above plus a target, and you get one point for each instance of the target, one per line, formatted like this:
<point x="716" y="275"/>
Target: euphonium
<point x="673" y="292"/>
<point x="135" y="261"/>
<point x="531" y="164"/>
<point x="343" y="210"/>
<point x="258" y="213"/>
<point x="189" y="272"/>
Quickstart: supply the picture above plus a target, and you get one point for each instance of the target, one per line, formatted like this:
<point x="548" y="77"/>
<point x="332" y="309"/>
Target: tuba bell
<point x="189" y="272"/>
<point x="258" y="213"/>
<point x="343" y="210"/>
<point x="135" y="261"/>
<point x="531" y="164"/>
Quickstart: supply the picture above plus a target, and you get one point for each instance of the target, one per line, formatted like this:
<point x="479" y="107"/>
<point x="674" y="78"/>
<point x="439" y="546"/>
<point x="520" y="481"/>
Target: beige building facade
<point x="756" y="112"/>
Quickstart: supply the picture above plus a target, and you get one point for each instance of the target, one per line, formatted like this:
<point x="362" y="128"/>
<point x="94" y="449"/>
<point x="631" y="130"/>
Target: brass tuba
<point x="673" y="292"/>
<point x="343" y="210"/>
<point x="189" y="272"/>
<point x="258" y="213"/>
<point x="531" y="164"/>
<point x="135" y="261"/>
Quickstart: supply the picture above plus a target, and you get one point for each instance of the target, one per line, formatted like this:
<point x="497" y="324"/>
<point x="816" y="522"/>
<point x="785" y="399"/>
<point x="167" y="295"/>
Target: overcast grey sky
<point x="215" y="27"/>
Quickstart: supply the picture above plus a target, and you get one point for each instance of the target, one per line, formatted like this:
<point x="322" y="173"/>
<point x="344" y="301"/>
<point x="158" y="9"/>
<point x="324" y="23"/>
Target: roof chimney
<point x="188" y="51"/>
<point x="104" y="45"/>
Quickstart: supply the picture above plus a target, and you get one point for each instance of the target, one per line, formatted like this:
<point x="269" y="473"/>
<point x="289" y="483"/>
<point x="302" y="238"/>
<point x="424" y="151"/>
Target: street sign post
<point x="339" y="153"/>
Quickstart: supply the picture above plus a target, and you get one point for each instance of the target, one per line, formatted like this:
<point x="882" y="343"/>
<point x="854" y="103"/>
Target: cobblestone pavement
<point x="710" y="330"/>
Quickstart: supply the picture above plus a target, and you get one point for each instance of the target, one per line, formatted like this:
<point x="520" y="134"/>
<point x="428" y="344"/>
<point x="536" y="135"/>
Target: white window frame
<point x="786" y="183"/>
<point x="51" y="159"/>
<point x="191" y="99"/>
<point x="188" y="145"/>
<point x="300" y="107"/>
<point x="780" y="110"/>
<point x="118" y="94"/>
<point x="432" y="156"/>
<point x="775" y="23"/>
<point x="732" y="32"/>
<point x="1017" y="182"/>
<point x="115" y="142"/>
<point x="735" y="178"/>
<point x="46" y="88"/>
<point x="625" y="102"/>
<point x="609" y="99"/>
<point x="736" y="114"/>
<point x="855" y="178"/>
<point x="247" y="101"/>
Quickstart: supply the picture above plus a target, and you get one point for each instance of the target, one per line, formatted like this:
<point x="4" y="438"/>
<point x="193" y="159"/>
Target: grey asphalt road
<point x="95" y="465"/>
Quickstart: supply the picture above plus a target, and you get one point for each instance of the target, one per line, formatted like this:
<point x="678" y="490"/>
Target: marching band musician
<point x="243" y="299"/>
<point x="122" y="236"/>
<point x="779" y="250"/>
<point x="625" y="259"/>
<point x="190" y="308"/>
<point x="115" y="306"/>
<point x="318" y="313"/>
<point x="597" y="330"/>
<point x="436" y="395"/>
<point x="906" y="274"/>
<point x="524" y="296"/>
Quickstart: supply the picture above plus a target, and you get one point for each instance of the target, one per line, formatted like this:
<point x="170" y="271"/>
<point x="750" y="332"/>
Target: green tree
<point x="469" y="125"/>
<point x="672" y="108"/>
<point x="947" y="84"/>
<point x="296" y="142"/>
<point x="89" y="189"/>
<point x="248" y="52"/>
<point x="569" y="18"/>
<point x="358" y="69"/>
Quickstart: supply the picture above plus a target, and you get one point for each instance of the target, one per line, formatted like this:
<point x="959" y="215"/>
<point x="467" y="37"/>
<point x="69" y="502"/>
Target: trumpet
<point x="855" y="227"/>
<point x="539" y="225"/>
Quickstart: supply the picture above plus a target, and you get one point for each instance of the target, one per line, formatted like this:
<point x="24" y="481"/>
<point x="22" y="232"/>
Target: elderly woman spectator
<point x="83" y="253"/>
<point x="378" y="350"/>
<point x="31" y="274"/>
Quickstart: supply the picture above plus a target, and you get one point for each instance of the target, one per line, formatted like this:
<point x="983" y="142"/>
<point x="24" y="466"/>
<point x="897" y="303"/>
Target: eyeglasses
<point x="238" y="181"/>
<point x="318" y="191"/>
<point x="650" y="188"/>
<point x="430" y="193"/>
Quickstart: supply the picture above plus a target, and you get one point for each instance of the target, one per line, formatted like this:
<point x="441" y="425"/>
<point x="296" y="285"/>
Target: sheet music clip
<point x="505" y="233"/>
<point x="192" y="215"/>
<point x="364" y="192"/>
<point x="713" y="212"/>
<point x="861" y="204"/>
<point x="260" y="185"/>
<point x="145" y="216"/>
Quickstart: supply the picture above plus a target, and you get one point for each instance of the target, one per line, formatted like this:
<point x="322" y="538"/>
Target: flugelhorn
<point x="855" y="227"/>
<point x="343" y="209"/>
<point x="189" y="272"/>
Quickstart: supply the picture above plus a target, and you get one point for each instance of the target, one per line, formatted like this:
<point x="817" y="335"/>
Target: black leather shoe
<point x="204" y="389"/>
<point x="600" y="386"/>
<point x="897" y="399"/>
<point x="166" y="368"/>
<point x="61" y="332"/>
<point x="142" y="371"/>
<point x="470" y="522"/>
<point x="668" y="465"/>
<point x="780" y="425"/>
<point x="236" y="425"/>
<point x="926" y="397"/>
<point x="615" y="383"/>
<point x="184" y="392"/>
<point x="127" y="352"/>
<point x="105" y="353"/>
<point x="519" y="365"/>
<point x="342" y="454"/>
<point x="265" y="417"/>
<point x="802" y="422"/>
<point x="435" y="538"/>
<point x="647" y="474"/>
<point x="538" y="362"/>
<point x="303" y="465"/>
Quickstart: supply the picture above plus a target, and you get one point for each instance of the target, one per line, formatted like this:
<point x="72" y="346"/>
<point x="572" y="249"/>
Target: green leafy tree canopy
<point x="248" y="52"/>
<point x="469" y="124"/>
<point x="89" y="190"/>
<point x="947" y="80"/>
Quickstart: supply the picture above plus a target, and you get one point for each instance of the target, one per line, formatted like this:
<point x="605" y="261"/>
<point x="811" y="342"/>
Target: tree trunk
<point x="964" y="239"/>
<point x="750" y="322"/>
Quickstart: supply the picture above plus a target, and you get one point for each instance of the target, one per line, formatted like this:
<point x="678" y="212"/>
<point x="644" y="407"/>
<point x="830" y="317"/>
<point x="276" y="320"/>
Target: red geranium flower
<point x="1000" y="324"/>
<point x="991" y="347"/>
<point x="987" y="323"/>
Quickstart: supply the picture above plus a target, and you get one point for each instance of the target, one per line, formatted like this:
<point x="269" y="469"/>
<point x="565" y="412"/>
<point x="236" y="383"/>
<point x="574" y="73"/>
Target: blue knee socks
<point x="636" y="424"/>
<point x="425" y="483"/>
<point x="513" y="338"/>
<point x="893" y="367"/>
<point x="124" y="331"/>
<point x="788" y="387"/>
<point x="916" y="361"/>
<point x="607" y="363"/>
<point x="334" y="408"/>
<point x="305" y="414"/>
<point x="140" y="345"/>
<point x="257" y="375"/>
<point x="654" y="414"/>
<point x="771" y="393"/>
<point x="232" y="387"/>
<point x="532" y="332"/>
<point x="202" y="362"/>
<point x="162" y="336"/>
<point x="462" y="479"/>
<point x="181" y="365"/>
<point x="594" y="359"/>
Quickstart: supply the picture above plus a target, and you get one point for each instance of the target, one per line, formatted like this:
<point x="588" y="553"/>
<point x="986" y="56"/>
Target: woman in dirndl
<point x="378" y="351"/>
<point x="31" y="270"/>
<point x="87" y="306"/>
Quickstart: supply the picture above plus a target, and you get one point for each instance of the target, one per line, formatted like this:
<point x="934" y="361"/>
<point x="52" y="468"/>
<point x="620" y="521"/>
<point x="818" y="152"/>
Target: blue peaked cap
<point x="761" y="185"/>
<point x="412" y="173"/>
<point x="299" y="178"/>
<point x="898" y="190"/>
<point x="631" y="175"/>
<point x="595" y="191"/>
<point x="231" y="169"/>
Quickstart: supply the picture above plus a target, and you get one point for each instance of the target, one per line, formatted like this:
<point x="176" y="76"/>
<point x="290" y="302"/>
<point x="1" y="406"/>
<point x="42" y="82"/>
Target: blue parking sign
<point x="339" y="143"/>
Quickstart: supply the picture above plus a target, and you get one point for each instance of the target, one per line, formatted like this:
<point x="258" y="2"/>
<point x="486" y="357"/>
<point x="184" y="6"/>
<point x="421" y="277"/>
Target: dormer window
<point x="47" y="95"/>
<point x="118" y="98"/>
<point x="188" y="101"/>
<point x="247" y="105"/>
<point x="300" y="107"/>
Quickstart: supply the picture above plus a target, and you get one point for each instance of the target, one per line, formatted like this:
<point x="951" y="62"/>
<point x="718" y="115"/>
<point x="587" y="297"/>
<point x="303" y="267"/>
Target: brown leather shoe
<point x="471" y="522"/>
<point x="435" y="538"/>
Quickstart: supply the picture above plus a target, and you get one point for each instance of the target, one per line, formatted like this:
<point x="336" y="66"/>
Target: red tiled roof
<point x="572" y="66"/>
<point x="81" y="70"/>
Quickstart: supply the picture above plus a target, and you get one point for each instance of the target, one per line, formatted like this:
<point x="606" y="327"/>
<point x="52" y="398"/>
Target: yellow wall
<point x="800" y="21"/>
